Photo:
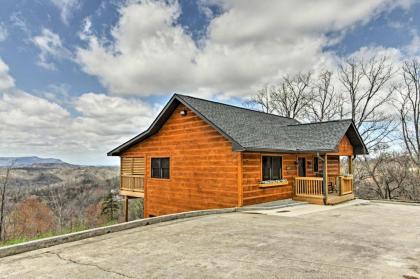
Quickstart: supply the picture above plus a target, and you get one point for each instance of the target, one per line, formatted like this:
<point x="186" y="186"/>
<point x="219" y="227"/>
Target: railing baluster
<point x="308" y="186"/>
<point x="132" y="183"/>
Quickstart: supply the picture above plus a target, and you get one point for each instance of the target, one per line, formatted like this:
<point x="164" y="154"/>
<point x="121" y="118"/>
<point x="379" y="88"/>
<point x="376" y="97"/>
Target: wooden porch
<point x="132" y="173"/>
<point x="310" y="189"/>
<point x="132" y="185"/>
<point x="132" y="177"/>
<point x="328" y="189"/>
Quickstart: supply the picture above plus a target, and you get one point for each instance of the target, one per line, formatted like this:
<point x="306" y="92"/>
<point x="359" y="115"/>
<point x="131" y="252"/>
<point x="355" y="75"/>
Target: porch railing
<point x="346" y="185"/>
<point x="308" y="186"/>
<point x="133" y="183"/>
<point x="312" y="186"/>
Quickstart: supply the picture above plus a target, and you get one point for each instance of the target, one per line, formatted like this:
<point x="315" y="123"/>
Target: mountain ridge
<point x="27" y="161"/>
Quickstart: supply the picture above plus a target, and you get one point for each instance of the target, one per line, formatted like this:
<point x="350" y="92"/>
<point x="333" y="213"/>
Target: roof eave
<point x="365" y="150"/>
<point x="275" y="150"/>
<point x="117" y="151"/>
<point x="235" y="144"/>
<point x="162" y="117"/>
<point x="359" y="138"/>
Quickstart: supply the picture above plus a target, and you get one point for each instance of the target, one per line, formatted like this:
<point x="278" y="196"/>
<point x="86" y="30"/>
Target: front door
<point x="301" y="167"/>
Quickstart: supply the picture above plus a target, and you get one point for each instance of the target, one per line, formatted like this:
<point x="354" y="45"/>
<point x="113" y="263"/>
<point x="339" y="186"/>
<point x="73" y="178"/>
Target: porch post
<point x="126" y="209"/>
<point x="350" y="161"/>
<point x="325" y="179"/>
<point x="351" y="172"/>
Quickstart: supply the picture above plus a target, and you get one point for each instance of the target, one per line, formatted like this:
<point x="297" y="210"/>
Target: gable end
<point x="161" y="119"/>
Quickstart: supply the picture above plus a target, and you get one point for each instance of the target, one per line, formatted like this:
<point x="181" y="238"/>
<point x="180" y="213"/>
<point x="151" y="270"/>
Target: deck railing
<point x="308" y="186"/>
<point x="346" y="185"/>
<point x="312" y="186"/>
<point x="133" y="183"/>
<point x="310" y="189"/>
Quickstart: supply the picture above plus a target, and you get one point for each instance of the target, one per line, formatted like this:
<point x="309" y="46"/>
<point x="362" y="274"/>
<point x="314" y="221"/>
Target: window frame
<point x="160" y="168"/>
<point x="271" y="167"/>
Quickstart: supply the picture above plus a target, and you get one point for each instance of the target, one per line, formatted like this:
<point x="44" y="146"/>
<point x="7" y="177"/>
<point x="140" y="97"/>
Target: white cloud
<point x="155" y="56"/>
<point x="3" y="32"/>
<point x="105" y="122"/>
<point x="250" y="44"/>
<point x="34" y="125"/>
<point x="245" y="47"/>
<point x="66" y="7"/>
<point x="30" y="123"/>
<point x="42" y="125"/>
<point x="394" y="55"/>
<point x="413" y="48"/>
<point x="59" y="93"/>
<point x="111" y="118"/>
<point x="6" y="81"/>
<point x="51" y="47"/>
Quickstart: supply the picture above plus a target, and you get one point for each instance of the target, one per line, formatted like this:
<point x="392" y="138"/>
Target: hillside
<point x="42" y="175"/>
<point x="28" y="161"/>
<point x="50" y="197"/>
<point x="34" y="172"/>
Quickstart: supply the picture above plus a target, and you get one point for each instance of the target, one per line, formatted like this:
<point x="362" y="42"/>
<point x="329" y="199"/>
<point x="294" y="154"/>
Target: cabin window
<point x="315" y="164"/>
<point x="160" y="168"/>
<point x="272" y="166"/>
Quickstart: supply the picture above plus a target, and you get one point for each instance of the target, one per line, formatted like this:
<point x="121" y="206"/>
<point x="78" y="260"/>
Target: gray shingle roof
<point x="254" y="130"/>
<point x="257" y="131"/>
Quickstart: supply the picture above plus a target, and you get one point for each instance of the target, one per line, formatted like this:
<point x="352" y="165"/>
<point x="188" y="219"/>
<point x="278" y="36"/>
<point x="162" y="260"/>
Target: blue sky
<point x="71" y="71"/>
<point x="21" y="55"/>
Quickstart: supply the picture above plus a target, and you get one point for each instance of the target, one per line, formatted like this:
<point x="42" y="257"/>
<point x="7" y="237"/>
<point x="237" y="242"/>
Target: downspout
<point x="324" y="184"/>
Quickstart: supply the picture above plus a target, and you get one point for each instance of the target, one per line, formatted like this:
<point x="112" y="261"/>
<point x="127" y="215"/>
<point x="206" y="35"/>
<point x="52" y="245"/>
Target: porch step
<point x="272" y="205"/>
<point x="339" y="199"/>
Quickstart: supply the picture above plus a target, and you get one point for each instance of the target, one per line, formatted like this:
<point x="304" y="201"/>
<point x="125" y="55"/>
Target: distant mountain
<point x="28" y="161"/>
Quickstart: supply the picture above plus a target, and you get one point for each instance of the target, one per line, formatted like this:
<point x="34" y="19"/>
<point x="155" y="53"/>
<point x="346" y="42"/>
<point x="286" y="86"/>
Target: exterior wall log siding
<point x="252" y="175"/>
<point x="203" y="167"/>
<point x="205" y="173"/>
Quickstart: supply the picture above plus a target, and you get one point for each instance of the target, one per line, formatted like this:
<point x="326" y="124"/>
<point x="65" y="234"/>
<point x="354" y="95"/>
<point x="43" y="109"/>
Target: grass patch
<point x="23" y="239"/>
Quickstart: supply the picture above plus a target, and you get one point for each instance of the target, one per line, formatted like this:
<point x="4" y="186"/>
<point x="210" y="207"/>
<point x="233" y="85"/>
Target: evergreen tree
<point x="110" y="205"/>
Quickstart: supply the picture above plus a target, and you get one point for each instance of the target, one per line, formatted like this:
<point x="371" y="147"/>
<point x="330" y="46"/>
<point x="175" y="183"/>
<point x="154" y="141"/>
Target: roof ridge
<point x="256" y="132"/>
<point x="322" y="122"/>
<point x="238" y="107"/>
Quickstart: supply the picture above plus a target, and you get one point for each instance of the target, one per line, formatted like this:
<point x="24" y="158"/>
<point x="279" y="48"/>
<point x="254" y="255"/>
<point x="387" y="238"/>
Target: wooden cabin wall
<point x="252" y="175"/>
<point x="345" y="148"/>
<point x="203" y="167"/>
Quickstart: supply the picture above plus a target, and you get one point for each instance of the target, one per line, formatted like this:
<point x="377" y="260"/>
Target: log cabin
<point x="200" y="154"/>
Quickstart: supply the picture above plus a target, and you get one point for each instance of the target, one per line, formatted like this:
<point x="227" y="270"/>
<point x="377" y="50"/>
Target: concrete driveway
<point x="373" y="240"/>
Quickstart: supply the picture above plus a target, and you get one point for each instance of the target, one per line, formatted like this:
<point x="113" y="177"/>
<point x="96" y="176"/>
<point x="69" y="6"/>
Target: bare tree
<point x="388" y="175"/>
<point x="366" y="89"/>
<point x="56" y="198"/>
<point x="409" y="110"/>
<point x="326" y="104"/>
<point x="262" y="100"/>
<point x="292" y="97"/>
<point x="3" y="198"/>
